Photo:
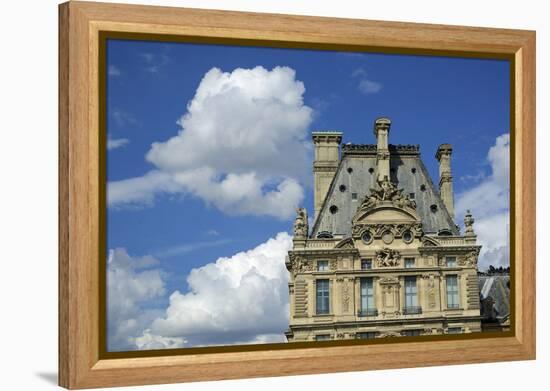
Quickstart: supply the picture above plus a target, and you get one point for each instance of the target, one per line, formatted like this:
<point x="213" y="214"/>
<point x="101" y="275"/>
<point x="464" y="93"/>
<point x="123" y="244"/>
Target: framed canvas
<point x="210" y="227"/>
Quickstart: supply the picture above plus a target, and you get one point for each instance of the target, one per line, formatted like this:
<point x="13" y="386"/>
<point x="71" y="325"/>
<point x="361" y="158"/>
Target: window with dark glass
<point x="323" y="299"/>
<point x="367" y="298"/>
<point x="452" y="291"/>
<point x="411" y="297"/>
<point x="322" y="266"/>
<point x="366" y="264"/>
<point x="450" y="261"/>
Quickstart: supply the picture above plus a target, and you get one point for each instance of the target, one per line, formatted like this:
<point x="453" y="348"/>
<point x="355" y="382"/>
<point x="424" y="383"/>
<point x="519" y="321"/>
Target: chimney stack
<point x="443" y="155"/>
<point x="381" y="131"/>
<point x="327" y="158"/>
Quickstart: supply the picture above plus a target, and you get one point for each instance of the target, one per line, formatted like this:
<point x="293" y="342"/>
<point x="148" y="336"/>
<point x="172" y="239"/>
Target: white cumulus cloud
<point x="240" y="299"/>
<point x="489" y="202"/>
<point x="132" y="282"/>
<point x="242" y="146"/>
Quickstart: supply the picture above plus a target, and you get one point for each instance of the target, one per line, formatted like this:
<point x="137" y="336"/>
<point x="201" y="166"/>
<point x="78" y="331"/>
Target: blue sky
<point x="430" y="100"/>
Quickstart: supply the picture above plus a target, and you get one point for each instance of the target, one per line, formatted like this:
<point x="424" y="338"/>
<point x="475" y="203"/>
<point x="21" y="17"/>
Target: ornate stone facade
<point x="387" y="277"/>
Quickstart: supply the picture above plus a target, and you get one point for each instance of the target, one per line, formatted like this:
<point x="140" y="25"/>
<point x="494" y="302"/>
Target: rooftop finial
<point x="469" y="224"/>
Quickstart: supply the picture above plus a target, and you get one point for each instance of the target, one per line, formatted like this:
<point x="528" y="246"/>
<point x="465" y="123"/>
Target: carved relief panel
<point x="389" y="288"/>
<point x="346" y="295"/>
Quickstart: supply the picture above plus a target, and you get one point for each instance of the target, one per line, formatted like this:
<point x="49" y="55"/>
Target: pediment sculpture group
<point x="387" y="192"/>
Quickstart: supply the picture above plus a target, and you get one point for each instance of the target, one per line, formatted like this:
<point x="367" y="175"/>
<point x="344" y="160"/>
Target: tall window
<point x="322" y="266"/>
<point x="322" y="296"/>
<point x="367" y="298"/>
<point x="366" y="264"/>
<point x="450" y="261"/>
<point x="411" y="298"/>
<point x="452" y="291"/>
<point x="409" y="263"/>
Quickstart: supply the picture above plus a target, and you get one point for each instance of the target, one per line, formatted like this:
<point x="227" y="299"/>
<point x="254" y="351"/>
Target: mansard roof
<point x="356" y="173"/>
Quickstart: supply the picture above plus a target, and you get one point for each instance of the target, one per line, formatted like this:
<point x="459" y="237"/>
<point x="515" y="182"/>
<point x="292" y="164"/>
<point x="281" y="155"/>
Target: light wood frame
<point x="80" y="364"/>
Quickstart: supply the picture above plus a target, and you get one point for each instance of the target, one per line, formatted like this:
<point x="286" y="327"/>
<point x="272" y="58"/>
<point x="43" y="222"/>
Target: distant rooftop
<point x="495" y="297"/>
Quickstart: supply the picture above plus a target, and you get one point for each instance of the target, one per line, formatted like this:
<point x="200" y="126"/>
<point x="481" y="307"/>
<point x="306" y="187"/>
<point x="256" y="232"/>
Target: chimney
<point x="327" y="158"/>
<point x="443" y="155"/>
<point x="381" y="131"/>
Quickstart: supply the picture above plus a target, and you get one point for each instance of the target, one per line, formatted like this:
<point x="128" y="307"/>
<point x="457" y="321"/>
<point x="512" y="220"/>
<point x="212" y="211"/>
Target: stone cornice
<point x="325" y="251"/>
<point x="325" y="166"/>
<point x="385" y="322"/>
<point x="370" y="149"/>
<point x="449" y="249"/>
<point x="327" y="137"/>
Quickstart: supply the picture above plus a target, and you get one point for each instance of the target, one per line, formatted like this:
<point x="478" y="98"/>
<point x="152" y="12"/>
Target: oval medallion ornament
<point x="367" y="237"/>
<point x="387" y="237"/>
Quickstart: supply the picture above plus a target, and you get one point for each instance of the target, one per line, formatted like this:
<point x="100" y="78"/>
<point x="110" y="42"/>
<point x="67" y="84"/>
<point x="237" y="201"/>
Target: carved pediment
<point x="386" y="211"/>
<point x="428" y="242"/>
<point x="386" y="193"/>
<point x="346" y="243"/>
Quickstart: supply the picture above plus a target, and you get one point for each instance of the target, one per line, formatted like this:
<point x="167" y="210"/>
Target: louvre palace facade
<point x="384" y="256"/>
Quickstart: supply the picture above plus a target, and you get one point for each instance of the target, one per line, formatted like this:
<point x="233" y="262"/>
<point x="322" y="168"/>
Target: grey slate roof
<point x="404" y="159"/>
<point x="495" y="297"/>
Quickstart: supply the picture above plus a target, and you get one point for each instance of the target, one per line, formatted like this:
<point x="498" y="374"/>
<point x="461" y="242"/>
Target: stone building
<point x="384" y="257"/>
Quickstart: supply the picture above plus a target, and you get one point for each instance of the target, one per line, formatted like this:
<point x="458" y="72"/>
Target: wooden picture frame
<point x="81" y="290"/>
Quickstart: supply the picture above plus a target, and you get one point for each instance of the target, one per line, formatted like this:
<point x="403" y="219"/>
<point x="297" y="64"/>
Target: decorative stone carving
<point x="431" y="293"/>
<point x="296" y="264"/>
<point x="469" y="224"/>
<point x="428" y="242"/>
<point x="387" y="257"/>
<point x="389" y="280"/>
<point x="387" y="237"/>
<point x="386" y="192"/>
<point x="346" y="297"/>
<point x="378" y="230"/>
<point x="333" y="264"/>
<point x="345" y="244"/>
<point x="301" y="227"/>
<point x="414" y="228"/>
<point x="469" y="259"/>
